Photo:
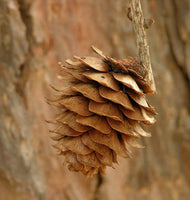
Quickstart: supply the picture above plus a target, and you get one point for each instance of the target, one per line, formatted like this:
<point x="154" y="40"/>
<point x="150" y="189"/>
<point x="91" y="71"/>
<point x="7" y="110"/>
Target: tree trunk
<point x="34" y="36"/>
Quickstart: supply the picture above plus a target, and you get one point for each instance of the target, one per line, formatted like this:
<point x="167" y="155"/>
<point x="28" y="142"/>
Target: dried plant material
<point x="116" y="65"/>
<point x="124" y="127"/>
<point x="65" y="91"/>
<point x="105" y="159"/>
<point x="102" y="149"/>
<point x="104" y="79"/>
<point x="76" y="74"/>
<point x="131" y="141"/>
<point x="98" y="51"/>
<point x="139" y="114"/>
<point x="142" y="44"/>
<point x="69" y="118"/>
<point x="106" y="109"/>
<point x="127" y="65"/>
<point x="76" y="145"/>
<point x="71" y="159"/>
<point x="95" y="63"/>
<point x="89" y="159"/>
<point x="76" y="65"/>
<point x="114" y="154"/>
<point x="103" y="153"/>
<point x="136" y="114"/>
<point x="138" y="129"/>
<point x="149" y="119"/>
<point x="77" y="104"/>
<point x="57" y="137"/>
<point x="73" y="63"/>
<point x="116" y="97"/>
<point x="67" y="81"/>
<point x="102" y="103"/>
<point x="133" y="66"/>
<point x="65" y="130"/>
<point x="147" y="22"/>
<point x="144" y="86"/>
<point x="111" y="140"/>
<point x="68" y="76"/>
<point x="95" y="121"/>
<point x="141" y="101"/>
<point x="128" y="81"/>
<point x="90" y="91"/>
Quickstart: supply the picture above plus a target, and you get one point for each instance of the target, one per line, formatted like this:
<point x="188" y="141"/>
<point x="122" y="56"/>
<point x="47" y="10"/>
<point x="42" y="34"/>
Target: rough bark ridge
<point x="34" y="36"/>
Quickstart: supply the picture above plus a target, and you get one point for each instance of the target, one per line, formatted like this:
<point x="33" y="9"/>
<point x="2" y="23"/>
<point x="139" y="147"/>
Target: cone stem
<point x="143" y="48"/>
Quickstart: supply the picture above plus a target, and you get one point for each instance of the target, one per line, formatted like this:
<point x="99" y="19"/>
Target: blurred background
<point x="34" y="36"/>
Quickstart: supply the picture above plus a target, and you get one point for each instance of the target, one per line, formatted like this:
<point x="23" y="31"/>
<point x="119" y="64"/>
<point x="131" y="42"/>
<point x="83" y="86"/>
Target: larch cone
<point x="101" y="107"/>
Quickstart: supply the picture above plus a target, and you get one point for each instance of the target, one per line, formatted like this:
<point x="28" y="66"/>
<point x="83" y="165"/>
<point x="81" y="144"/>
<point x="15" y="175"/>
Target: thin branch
<point x="143" y="48"/>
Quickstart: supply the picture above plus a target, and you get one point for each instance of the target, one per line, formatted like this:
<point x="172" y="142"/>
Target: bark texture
<point x="34" y="36"/>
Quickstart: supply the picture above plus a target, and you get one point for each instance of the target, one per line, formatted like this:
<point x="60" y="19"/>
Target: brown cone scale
<point x="102" y="104"/>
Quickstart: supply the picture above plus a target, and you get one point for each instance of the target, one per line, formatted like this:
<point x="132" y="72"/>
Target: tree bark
<point x="34" y="36"/>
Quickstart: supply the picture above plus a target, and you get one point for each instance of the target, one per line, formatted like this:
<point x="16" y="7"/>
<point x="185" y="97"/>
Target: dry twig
<point x="139" y="23"/>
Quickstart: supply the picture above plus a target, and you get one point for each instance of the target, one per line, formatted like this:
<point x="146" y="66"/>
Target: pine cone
<point x="102" y="105"/>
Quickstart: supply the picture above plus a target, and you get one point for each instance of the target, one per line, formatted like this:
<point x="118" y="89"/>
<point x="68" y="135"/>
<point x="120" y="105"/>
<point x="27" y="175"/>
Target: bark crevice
<point x="24" y="68"/>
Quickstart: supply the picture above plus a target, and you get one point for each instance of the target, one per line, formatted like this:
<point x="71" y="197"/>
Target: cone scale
<point x="102" y="105"/>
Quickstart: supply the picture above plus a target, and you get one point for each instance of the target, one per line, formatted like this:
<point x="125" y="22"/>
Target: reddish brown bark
<point x="34" y="36"/>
